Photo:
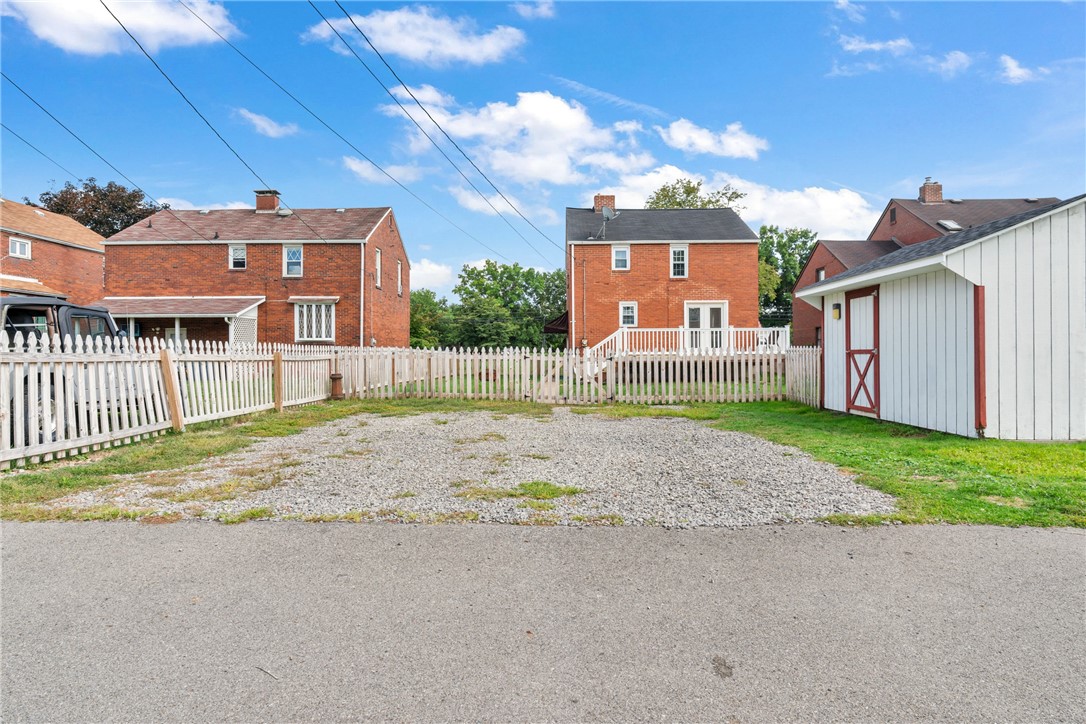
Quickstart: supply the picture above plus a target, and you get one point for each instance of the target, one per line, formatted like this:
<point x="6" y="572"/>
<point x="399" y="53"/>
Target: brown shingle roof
<point x="19" y="218"/>
<point x="970" y="212"/>
<point x="177" y="306"/>
<point x="14" y="284"/>
<point x="854" y="253"/>
<point x="248" y="225"/>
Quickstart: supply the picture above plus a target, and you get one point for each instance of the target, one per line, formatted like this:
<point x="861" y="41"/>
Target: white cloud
<point x="266" y="126"/>
<point x="733" y="142"/>
<point x="426" y="274"/>
<point x="366" y="171"/>
<point x="1015" y="73"/>
<point x="420" y="34"/>
<point x="474" y="202"/>
<point x="540" y="138"/>
<point x="952" y="63"/>
<point x="186" y="205"/>
<point x="857" y="44"/>
<point x="532" y="10"/>
<point x="850" y="70"/>
<point x="425" y="247"/>
<point x="426" y="94"/>
<point x="852" y="11"/>
<point x="833" y="213"/>
<point x="477" y="264"/>
<point x="86" y="28"/>
<point x="601" y="95"/>
<point x="628" y="127"/>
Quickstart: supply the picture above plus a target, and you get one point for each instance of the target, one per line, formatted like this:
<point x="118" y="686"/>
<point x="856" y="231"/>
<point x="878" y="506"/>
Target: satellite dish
<point x="609" y="214"/>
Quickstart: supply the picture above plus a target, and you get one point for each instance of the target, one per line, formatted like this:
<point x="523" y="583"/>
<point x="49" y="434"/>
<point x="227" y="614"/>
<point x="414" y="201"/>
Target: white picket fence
<point x="72" y="396"/>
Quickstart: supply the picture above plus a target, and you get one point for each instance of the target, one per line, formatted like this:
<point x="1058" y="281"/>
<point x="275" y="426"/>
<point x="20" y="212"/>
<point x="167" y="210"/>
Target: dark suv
<point x="51" y="316"/>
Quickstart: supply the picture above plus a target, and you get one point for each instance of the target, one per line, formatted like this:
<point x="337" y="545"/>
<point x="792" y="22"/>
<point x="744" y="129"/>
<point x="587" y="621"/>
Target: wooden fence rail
<point x="59" y="397"/>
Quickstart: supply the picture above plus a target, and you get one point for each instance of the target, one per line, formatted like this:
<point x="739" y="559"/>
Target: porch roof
<point x="143" y="307"/>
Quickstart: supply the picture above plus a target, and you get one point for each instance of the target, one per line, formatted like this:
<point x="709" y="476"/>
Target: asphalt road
<point x="294" y="621"/>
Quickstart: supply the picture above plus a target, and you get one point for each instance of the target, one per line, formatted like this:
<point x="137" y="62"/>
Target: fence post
<point x="173" y="390"/>
<point x="277" y="380"/>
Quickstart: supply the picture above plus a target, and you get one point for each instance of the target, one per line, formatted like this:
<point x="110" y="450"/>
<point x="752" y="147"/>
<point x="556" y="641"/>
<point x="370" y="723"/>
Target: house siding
<point x="727" y="272"/>
<point x="77" y="272"/>
<point x="1035" y="319"/>
<point x="388" y="315"/>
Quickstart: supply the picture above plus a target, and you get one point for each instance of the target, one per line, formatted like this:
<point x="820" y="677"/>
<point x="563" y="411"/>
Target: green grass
<point x="935" y="477"/>
<point x="535" y="490"/>
<point x="245" y="515"/>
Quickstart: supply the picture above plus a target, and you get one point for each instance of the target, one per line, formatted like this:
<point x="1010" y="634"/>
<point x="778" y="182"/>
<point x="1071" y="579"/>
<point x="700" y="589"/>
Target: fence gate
<point x="862" y="350"/>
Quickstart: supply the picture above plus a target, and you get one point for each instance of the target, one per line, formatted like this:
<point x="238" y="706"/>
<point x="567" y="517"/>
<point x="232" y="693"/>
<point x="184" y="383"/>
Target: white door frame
<point x="703" y="336"/>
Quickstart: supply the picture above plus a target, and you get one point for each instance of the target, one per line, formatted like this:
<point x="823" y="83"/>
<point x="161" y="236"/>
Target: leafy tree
<point x="483" y="322"/>
<point x="432" y="321"/>
<point x="785" y="251"/>
<point x="686" y="194"/>
<point x="530" y="297"/>
<point x="104" y="209"/>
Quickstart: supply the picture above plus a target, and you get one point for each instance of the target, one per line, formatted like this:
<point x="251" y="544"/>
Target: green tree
<point x="431" y="319"/>
<point x="687" y="194"/>
<point x="529" y="296"/>
<point x="104" y="209"/>
<point x="786" y="252"/>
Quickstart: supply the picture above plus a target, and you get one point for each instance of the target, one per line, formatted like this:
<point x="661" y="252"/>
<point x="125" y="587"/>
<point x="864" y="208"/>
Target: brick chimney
<point x="267" y="201"/>
<point x="931" y="192"/>
<point x="601" y="201"/>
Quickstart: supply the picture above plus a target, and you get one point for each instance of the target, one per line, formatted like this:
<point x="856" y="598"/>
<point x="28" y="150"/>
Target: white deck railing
<point x="731" y="339"/>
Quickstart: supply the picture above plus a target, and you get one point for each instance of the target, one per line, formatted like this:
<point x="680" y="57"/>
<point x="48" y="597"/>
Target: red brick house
<point x="47" y="254"/>
<point x="658" y="278"/>
<point x="903" y="222"/>
<point x="319" y="276"/>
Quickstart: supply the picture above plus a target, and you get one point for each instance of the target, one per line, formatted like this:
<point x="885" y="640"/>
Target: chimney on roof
<point x="931" y="192"/>
<point x="267" y="201"/>
<point x="601" y="201"/>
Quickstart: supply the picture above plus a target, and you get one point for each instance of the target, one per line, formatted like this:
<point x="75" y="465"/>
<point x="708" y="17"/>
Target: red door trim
<point x="980" y="383"/>
<point x="872" y="365"/>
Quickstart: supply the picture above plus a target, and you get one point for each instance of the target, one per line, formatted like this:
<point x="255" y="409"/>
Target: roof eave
<point x="877" y="276"/>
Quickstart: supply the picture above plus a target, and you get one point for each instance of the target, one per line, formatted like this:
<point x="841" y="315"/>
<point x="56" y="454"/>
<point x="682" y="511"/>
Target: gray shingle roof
<point x="659" y="225"/>
<point x="970" y="212"/>
<point x="943" y="244"/>
<point x="854" y="253"/>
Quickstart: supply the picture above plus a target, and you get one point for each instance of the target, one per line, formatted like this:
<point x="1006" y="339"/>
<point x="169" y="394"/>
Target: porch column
<point x="177" y="331"/>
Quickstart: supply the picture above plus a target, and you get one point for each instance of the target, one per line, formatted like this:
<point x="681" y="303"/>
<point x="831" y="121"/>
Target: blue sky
<point x="820" y="112"/>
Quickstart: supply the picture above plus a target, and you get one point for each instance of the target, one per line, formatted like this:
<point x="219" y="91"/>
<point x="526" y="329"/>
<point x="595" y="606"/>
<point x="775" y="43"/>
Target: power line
<point x="202" y="116"/>
<point x="340" y="136"/>
<point x="434" y="121"/>
<point x="419" y="125"/>
<point x="43" y="154"/>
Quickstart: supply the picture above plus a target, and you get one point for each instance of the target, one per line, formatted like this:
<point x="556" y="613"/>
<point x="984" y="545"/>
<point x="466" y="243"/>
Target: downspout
<point x="584" y="300"/>
<point x="571" y="313"/>
<point x="980" y="382"/>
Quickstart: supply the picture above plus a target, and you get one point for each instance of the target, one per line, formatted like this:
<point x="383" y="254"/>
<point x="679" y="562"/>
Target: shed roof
<point x="941" y="245"/>
<point x="9" y="283"/>
<point x="658" y="225"/>
<point x="248" y="225"/>
<point x="178" y="306"/>
<point x="16" y="218"/>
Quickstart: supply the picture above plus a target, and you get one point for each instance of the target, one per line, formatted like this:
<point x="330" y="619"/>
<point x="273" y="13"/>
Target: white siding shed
<point x="983" y="331"/>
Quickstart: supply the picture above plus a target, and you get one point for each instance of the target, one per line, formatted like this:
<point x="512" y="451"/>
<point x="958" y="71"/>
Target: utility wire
<point x="340" y="136"/>
<point x="43" y="154"/>
<point x="434" y="121"/>
<point x="203" y="117"/>
<point x="419" y="125"/>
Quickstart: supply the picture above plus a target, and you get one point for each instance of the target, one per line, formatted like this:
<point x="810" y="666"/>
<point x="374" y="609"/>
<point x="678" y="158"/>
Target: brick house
<point x="902" y="223"/>
<point x="676" y="277"/>
<point x="47" y="254"/>
<point x="320" y="276"/>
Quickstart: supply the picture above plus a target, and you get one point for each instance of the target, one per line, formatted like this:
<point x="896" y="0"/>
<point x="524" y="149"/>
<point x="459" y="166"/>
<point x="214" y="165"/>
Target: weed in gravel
<point x="244" y="515"/>
<point x="739" y="482"/>
<point x="33" y="513"/>
<point x="160" y="519"/>
<point x="537" y="456"/>
<point x="216" y="493"/>
<point x="536" y="490"/>
<point x="342" y="433"/>
<point x="541" y="520"/>
<point x="404" y="494"/>
<point x="607" y="519"/>
<point x="485" y="437"/>
<point x="354" y="516"/>
<point x="456" y="516"/>
<point x="462" y="483"/>
<point x="358" y="452"/>
<point x="536" y="505"/>
<point x="500" y="458"/>
<point x="440" y="421"/>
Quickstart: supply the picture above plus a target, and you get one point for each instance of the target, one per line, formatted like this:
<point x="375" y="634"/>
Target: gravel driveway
<point x="560" y="469"/>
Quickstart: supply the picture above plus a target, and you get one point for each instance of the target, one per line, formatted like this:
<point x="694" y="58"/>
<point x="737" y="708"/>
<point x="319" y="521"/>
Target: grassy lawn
<point x="935" y="477"/>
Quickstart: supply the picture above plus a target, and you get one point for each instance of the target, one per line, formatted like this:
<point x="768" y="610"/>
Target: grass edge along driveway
<point x="935" y="477"/>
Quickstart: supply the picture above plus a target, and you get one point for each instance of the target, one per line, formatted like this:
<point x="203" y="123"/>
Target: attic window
<point x="950" y="225"/>
<point x="893" y="216"/>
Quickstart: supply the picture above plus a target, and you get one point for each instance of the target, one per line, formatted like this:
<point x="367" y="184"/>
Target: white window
<point x="19" y="248"/>
<point x="678" y="261"/>
<point x="820" y="273"/>
<point x="237" y="256"/>
<point x="292" y="261"/>
<point x="627" y="314"/>
<point x="377" y="267"/>
<point x="620" y="258"/>
<point x="315" y="322"/>
<point x="399" y="277"/>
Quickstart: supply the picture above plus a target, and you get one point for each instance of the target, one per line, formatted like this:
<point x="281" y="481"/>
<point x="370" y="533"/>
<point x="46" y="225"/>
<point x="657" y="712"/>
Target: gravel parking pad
<point x="563" y="469"/>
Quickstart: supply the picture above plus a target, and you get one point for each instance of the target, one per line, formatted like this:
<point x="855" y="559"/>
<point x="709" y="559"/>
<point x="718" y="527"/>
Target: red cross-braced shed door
<point x="862" y="350"/>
